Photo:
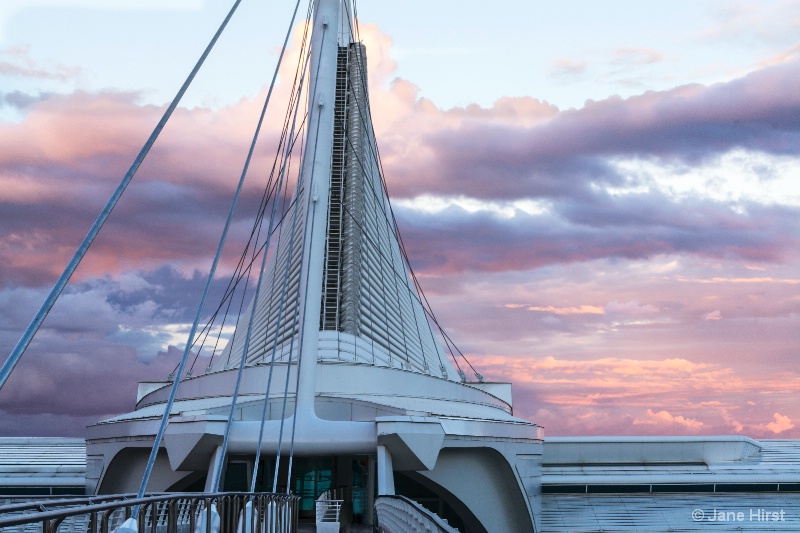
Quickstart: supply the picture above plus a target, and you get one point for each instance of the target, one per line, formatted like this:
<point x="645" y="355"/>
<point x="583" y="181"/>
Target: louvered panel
<point x="42" y="455"/>
<point x="584" y="513"/>
<point x="267" y="324"/>
<point x="390" y="342"/>
<point x="272" y="308"/>
<point x="368" y="296"/>
<point x="268" y="309"/>
<point x="390" y="329"/>
<point x="416" y="327"/>
<point x="777" y="451"/>
<point x="397" y="312"/>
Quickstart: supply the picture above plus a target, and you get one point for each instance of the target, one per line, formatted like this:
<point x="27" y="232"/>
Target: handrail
<point x="42" y="505"/>
<point x="280" y="510"/>
<point x="328" y="510"/>
<point x="397" y="514"/>
<point x="74" y="511"/>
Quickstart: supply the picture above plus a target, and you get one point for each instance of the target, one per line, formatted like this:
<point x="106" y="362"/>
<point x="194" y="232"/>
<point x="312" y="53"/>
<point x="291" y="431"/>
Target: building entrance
<point x="349" y="478"/>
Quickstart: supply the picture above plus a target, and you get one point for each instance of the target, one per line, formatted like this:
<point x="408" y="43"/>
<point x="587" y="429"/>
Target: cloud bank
<point x="630" y="265"/>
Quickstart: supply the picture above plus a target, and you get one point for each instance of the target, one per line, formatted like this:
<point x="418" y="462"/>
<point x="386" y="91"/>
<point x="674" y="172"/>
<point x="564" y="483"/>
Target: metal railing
<point x="224" y="512"/>
<point x="329" y="509"/>
<point x="328" y="520"/>
<point x="36" y="503"/>
<point x="34" y="506"/>
<point x="398" y="514"/>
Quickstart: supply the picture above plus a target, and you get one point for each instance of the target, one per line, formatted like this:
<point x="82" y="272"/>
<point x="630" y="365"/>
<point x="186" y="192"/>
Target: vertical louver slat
<point x="354" y="196"/>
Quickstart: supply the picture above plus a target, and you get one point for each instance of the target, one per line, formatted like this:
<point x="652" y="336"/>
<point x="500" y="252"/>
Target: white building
<point x="41" y="466"/>
<point x="336" y="369"/>
<point x="376" y="406"/>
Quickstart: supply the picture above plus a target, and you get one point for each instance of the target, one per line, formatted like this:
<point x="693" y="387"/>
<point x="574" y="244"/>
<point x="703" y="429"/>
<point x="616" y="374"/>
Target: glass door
<point x="312" y="477"/>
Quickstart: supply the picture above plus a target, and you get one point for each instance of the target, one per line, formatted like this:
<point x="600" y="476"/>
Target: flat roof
<point x="42" y="461"/>
<point x="585" y="513"/>
<point x="669" y="460"/>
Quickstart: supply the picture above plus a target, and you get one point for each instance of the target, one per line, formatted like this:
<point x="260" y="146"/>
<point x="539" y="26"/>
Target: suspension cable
<point x="241" y="268"/>
<point x="176" y="383"/>
<point x="255" y="137"/>
<point x="300" y="186"/>
<point x="297" y="380"/>
<point x="283" y="294"/>
<point x="44" y="310"/>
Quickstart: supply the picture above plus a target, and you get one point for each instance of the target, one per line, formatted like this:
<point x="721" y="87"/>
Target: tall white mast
<point x="316" y="181"/>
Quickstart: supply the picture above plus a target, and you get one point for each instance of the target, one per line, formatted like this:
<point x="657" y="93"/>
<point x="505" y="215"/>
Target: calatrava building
<point x="338" y="378"/>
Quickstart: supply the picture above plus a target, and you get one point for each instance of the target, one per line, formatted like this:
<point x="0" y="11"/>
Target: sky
<point x="601" y="200"/>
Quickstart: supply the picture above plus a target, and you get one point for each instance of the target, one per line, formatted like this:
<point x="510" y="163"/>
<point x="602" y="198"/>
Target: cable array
<point x="370" y="294"/>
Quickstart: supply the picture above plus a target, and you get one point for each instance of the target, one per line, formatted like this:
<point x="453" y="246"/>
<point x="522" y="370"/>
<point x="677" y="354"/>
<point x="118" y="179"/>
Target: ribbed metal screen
<point x="273" y="312"/>
<point x="370" y="312"/>
<point x="742" y="511"/>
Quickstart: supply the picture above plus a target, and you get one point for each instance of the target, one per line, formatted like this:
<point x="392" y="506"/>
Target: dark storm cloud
<point x="631" y="227"/>
<point x="569" y="152"/>
<point x="175" y="297"/>
<point x="63" y="161"/>
<point x="173" y="211"/>
<point x="102" y="337"/>
<point x="140" y="282"/>
<point x="100" y="308"/>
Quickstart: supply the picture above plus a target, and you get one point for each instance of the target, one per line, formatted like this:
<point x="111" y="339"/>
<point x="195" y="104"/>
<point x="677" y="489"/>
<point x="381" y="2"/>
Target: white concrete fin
<point x="189" y="446"/>
<point x="414" y="443"/>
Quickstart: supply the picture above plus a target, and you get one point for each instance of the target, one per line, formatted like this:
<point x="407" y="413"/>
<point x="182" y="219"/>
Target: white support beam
<point x="316" y="181"/>
<point x="385" y="472"/>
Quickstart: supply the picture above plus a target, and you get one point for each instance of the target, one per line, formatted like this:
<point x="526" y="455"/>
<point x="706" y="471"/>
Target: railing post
<point x="296" y="512"/>
<point x="256" y="516"/>
<point x="228" y="503"/>
<point x="141" y="516"/>
<point x="104" y="521"/>
<point x="55" y="523"/>
<point x="192" y="511"/>
<point x="172" y="516"/>
<point x="208" y="515"/>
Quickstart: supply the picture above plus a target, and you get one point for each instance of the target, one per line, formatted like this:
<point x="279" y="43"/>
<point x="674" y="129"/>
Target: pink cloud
<point x="616" y="286"/>
<point x="630" y="309"/>
<point x="692" y="397"/>
<point x="737" y="426"/>
<point x="654" y="417"/>
<point x="787" y="56"/>
<point x="16" y="62"/>
<point x="579" y="310"/>
<point x="780" y="423"/>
